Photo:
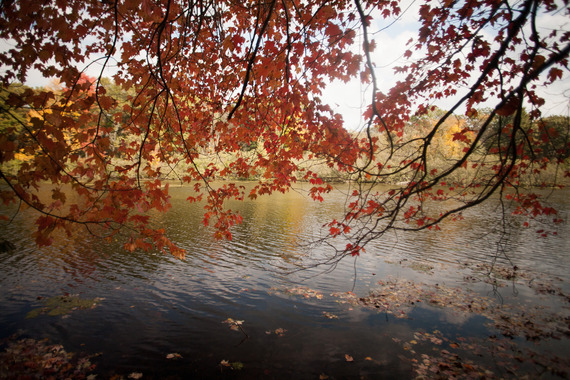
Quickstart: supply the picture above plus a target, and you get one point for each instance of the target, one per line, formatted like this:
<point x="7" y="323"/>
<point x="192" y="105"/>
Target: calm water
<point x="154" y="304"/>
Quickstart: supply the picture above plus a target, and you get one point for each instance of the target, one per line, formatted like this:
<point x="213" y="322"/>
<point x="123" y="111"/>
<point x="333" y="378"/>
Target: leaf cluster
<point x="196" y="82"/>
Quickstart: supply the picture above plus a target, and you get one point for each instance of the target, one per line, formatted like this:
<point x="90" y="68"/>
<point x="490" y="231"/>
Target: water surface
<point x="155" y="304"/>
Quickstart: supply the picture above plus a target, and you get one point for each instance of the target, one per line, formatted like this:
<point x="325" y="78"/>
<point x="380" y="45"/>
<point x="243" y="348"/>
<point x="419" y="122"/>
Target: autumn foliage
<point x="241" y="83"/>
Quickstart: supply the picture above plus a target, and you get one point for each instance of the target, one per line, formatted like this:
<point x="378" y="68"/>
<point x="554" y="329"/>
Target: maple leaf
<point x="509" y="107"/>
<point x="180" y="111"/>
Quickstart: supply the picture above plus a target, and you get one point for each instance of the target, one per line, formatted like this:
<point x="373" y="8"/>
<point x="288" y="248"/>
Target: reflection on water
<point x="155" y="304"/>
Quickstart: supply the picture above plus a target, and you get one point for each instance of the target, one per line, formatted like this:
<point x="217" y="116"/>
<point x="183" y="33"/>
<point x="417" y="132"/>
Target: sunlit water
<point x="155" y="304"/>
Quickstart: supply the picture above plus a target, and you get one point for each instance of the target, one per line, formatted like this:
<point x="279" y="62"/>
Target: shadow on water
<point x="155" y="304"/>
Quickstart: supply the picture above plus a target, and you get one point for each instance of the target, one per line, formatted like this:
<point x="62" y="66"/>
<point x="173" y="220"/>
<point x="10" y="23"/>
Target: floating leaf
<point x="280" y="332"/>
<point x="348" y="358"/>
<point x="63" y="305"/>
<point x="174" y="355"/>
<point x="237" y="366"/>
<point x="301" y="291"/>
<point x="234" y="324"/>
<point x="421" y="267"/>
<point x="328" y="315"/>
<point x="35" y="359"/>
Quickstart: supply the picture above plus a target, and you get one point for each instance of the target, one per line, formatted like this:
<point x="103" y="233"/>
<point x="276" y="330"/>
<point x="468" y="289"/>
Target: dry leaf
<point x="348" y="358"/>
<point x="328" y="315"/>
<point x="280" y="331"/>
<point x="234" y="324"/>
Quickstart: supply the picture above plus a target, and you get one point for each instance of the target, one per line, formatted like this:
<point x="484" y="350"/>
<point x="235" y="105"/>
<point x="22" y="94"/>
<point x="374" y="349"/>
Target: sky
<point x="350" y="99"/>
<point x="392" y="43"/>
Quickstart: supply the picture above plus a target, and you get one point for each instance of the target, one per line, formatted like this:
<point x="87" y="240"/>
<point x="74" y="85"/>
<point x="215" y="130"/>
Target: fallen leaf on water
<point x="438" y="341"/>
<point x="30" y="358"/>
<point x="328" y="315"/>
<point x="368" y="358"/>
<point x="174" y="355"/>
<point x="135" y="375"/>
<point x="233" y="365"/>
<point x="63" y="305"/>
<point x="234" y="324"/>
<point x="323" y="377"/>
<point x="237" y="366"/>
<point x="300" y="291"/>
<point x="348" y="358"/>
<point x="280" y="331"/>
<point x="231" y="321"/>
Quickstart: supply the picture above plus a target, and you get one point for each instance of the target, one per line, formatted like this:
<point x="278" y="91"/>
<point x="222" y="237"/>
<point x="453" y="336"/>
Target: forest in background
<point x="551" y="155"/>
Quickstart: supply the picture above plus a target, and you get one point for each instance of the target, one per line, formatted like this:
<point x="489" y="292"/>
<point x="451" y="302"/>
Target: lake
<point x="413" y="304"/>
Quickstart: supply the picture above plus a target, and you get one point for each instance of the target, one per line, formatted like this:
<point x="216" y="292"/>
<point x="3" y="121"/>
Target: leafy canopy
<point x="224" y="89"/>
